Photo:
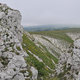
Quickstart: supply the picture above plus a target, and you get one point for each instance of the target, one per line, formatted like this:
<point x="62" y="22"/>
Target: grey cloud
<point x="47" y="11"/>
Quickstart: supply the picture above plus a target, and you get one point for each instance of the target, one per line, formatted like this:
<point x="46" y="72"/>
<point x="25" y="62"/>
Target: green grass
<point x="55" y="78"/>
<point x="45" y="56"/>
<point x="32" y="61"/>
<point x="59" y="34"/>
<point x="34" y="49"/>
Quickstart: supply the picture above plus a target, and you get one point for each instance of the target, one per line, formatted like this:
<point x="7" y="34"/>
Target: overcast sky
<point x="42" y="12"/>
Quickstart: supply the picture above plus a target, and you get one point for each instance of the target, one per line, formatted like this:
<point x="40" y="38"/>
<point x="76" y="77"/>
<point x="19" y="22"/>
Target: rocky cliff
<point x="12" y="63"/>
<point x="68" y="67"/>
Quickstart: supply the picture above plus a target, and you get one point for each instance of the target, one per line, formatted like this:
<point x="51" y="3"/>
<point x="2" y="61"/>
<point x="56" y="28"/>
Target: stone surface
<point x="69" y="63"/>
<point x="34" y="73"/>
<point x="12" y="63"/>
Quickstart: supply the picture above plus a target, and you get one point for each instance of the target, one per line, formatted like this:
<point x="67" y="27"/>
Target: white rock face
<point x="52" y="44"/>
<point x="74" y="35"/>
<point x="12" y="63"/>
<point x="69" y="63"/>
<point x="40" y="60"/>
<point x="34" y="73"/>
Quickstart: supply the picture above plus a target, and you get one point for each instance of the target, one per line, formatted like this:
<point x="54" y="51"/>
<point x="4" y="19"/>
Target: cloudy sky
<point x="42" y="12"/>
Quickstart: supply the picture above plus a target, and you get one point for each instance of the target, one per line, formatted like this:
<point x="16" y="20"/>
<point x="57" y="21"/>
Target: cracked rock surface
<point x="69" y="63"/>
<point x="12" y="63"/>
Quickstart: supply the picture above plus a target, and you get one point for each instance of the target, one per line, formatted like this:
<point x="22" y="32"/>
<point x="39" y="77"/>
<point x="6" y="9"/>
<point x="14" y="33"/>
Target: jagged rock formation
<point x="55" y="46"/>
<point x="12" y="63"/>
<point x="74" y="35"/>
<point x="69" y="63"/>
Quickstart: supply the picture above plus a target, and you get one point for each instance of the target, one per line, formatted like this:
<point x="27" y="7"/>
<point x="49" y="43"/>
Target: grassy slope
<point x="45" y="56"/>
<point x="59" y="34"/>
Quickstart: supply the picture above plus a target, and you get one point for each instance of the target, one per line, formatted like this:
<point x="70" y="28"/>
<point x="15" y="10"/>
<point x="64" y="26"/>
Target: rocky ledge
<point x="69" y="63"/>
<point x="12" y="63"/>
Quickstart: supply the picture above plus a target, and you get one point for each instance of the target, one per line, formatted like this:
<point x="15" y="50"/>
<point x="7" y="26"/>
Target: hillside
<point x="57" y="42"/>
<point x="49" y="27"/>
<point x="39" y="57"/>
<point x="59" y="34"/>
<point x="45" y="27"/>
<point x="20" y="57"/>
<point x="45" y="55"/>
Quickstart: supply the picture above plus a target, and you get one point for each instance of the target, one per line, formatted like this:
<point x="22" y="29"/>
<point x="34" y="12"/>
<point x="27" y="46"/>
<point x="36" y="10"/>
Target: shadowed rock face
<point x="12" y="63"/>
<point x="69" y="63"/>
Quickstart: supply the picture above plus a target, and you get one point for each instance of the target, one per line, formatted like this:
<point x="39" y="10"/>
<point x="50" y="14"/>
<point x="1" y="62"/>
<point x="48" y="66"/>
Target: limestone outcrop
<point x="69" y="63"/>
<point x="12" y="63"/>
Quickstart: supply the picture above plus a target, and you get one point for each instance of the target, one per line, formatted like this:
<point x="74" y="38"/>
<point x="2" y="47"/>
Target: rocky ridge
<point x="69" y="60"/>
<point x="12" y="63"/>
<point x="69" y="63"/>
<point x="55" y="46"/>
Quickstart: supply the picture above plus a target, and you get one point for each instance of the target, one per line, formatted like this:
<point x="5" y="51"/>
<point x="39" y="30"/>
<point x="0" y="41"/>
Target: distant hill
<point x="48" y="27"/>
<point x="60" y="34"/>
